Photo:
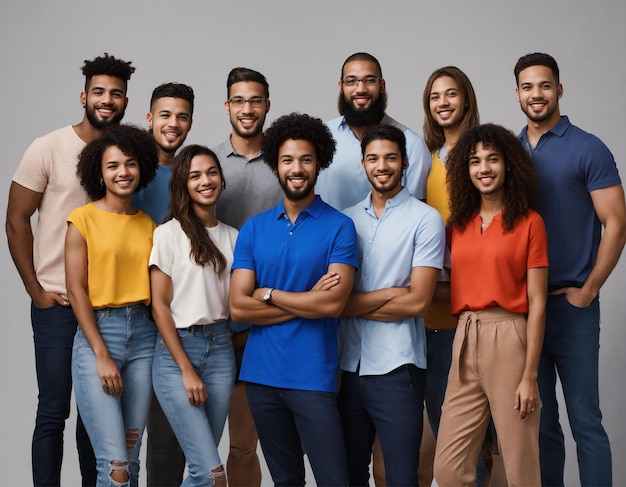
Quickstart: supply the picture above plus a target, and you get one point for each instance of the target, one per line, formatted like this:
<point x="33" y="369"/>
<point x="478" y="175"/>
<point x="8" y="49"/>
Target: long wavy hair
<point x="520" y="182"/>
<point x="203" y="249"/>
<point x="433" y="133"/>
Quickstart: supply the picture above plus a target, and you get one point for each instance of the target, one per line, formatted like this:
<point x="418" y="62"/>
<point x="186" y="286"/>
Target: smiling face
<point x="487" y="170"/>
<point x="204" y="182"/>
<point x="384" y="166"/>
<point x="169" y="120"/>
<point x="447" y="104"/>
<point x="120" y="172"/>
<point x="538" y="94"/>
<point x="104" y="101"/>
<point x="247" y="121"/>
<point x="297" y="169"/>
<point x="362" y="102"/>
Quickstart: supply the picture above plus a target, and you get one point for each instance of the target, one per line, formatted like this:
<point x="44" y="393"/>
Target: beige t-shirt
<point x="49" y="167"/>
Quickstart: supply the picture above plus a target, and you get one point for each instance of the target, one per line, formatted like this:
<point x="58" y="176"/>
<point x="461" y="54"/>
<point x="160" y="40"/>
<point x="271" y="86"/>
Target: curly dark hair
<point x="109" y="65"/>
<point x="297" y="126"/>
<point x="203" y="249"/>
<point x="520" y="183"/>
<point x="132" y="141"/>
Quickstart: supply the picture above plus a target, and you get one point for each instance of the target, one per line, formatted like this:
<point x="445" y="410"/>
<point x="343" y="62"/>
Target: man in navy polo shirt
<point x="582" y="203"/>
<point x="292" y="275"/>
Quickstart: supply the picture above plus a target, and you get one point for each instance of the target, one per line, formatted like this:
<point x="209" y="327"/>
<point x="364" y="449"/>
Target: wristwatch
<point x="268" y="296"/>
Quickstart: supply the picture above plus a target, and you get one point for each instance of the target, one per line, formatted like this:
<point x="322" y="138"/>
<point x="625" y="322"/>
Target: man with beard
<point x="362" y="102"/>
<point x="383" y="343"/>
<point x="251" y="188"/>
<point x="581" y="200"/>
<point x="292" y="275"/>
<point x="169" y="121"/>
<point x="46" y="181"/>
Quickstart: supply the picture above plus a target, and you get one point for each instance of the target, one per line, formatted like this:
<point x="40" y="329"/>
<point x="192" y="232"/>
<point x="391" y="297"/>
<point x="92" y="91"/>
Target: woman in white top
<point x="194" y="363"/>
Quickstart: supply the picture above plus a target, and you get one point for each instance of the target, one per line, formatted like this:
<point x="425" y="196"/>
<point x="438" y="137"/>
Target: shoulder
<point x="334" y="124"/>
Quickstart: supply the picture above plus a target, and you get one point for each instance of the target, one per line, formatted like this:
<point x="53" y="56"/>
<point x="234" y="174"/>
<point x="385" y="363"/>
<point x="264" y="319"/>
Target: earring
<point x="101" y="182"/>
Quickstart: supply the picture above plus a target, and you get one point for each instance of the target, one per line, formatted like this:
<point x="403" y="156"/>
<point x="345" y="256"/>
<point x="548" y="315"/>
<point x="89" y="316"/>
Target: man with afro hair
<point x="292" y="275"/>
<point x="46" y="182"/>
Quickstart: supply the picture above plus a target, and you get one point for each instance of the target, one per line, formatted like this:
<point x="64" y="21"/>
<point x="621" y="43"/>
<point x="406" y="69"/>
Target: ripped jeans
<point x="115" y="424"/>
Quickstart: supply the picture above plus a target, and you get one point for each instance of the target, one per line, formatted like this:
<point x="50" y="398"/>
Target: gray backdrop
<point x="300" y="48"/>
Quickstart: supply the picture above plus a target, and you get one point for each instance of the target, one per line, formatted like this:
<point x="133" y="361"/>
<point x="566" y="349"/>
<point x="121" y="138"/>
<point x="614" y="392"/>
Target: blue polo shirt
<point x="299" y="353"/>
<point x="570" y="164"/>
<point x="344" y="183"/>
<point x="408" y="234"/>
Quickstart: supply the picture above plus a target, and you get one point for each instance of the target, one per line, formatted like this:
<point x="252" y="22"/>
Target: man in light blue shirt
<point x="383" y="345"/>
<point x="362" y="102"/>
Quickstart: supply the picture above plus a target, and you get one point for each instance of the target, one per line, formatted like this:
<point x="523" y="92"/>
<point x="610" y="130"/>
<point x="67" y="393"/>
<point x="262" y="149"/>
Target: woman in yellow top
<point x="107" y="248"/>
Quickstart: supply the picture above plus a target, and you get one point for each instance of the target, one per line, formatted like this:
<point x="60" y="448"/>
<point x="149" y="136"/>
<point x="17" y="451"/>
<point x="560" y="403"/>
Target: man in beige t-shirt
<point x="46" y="181"/>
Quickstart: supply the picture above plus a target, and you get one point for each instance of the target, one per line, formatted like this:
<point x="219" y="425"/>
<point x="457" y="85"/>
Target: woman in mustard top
<point x="107" y="248"/>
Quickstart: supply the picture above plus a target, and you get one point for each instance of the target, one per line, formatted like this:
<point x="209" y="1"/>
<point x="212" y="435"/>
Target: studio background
<point x="299" y="47"/>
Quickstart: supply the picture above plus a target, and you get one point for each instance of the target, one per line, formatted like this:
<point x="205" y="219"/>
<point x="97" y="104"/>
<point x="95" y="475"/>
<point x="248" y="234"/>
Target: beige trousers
<point x="488" y="360"/>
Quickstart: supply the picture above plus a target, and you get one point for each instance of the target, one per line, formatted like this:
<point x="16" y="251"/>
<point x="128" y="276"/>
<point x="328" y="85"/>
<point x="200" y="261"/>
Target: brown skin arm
<point x="360" y="303"/>
<point x="411" y="304"/>
<point x="21" y="207"/>
<point x="161" y="291"/>
<point x="325" y="297"/>
<point x="527" y="394"/>
<point x="609" y="206"/>
<point x="76" y="281"/>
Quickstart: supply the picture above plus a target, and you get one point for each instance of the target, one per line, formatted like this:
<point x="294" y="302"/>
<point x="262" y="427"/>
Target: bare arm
<point x="609" y="206"/>
<point x="527" y="394"/>
<point x="76" y="280"/>
<point x="316" y="303"/>
<point x="161" y="291"/>
<point x="21" y="207"/>
<point x="415" y="303"/>
<point x="248" y="309"/>
<point x="360" y="303"/>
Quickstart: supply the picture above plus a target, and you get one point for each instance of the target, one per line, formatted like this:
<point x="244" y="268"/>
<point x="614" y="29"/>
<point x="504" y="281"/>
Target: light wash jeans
<point x="129" y="335"/>
<point x="198" y="429"/>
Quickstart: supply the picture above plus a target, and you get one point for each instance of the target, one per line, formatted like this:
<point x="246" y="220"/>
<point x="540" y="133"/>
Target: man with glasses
<point x="251" y="188"/>
<point x="362" y="102"/>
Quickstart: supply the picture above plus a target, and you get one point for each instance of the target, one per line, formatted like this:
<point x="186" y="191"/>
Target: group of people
<point x="317" y="284"/>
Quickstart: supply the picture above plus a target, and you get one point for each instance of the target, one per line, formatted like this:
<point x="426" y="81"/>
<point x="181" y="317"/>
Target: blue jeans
<point x="129" y="335"/>
<point x="571" y="349"/>
<point x="291" y="422"/>
<point x="53" y="334"/>
<point x="390" y="405"/>
<point x="198" y="429"/>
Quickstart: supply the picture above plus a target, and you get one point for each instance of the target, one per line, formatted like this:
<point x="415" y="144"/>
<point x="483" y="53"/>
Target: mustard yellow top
<point x="438" y="315"/>
<point x="436" y="189"/>
<point x="118" y="250"/>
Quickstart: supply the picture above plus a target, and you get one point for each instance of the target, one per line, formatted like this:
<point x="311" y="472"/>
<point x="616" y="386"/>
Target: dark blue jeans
<point x="571" y="349"/>
<point x="291" y="422"/>
<point x="390" y="405"/>
<point x="53" y="333"/>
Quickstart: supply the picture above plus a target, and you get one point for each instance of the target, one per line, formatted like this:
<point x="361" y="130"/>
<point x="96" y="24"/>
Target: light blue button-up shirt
<point x="344" y="183"/>
<point x="408" y="234"/>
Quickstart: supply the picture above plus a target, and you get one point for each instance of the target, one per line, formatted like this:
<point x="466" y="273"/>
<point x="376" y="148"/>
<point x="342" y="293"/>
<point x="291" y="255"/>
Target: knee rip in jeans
<point x="119" y="471"/>
<point x="218" y="475"/>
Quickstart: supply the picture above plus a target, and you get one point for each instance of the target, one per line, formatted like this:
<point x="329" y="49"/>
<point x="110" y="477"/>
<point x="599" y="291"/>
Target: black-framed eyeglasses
<point x="367" y="81"/>
<point x="255" y="102"/>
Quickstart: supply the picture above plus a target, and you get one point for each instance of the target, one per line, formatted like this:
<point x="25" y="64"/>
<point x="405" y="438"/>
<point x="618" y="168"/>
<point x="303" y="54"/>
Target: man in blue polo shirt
<point x="383" y="343"/>
<point x="292" y="275"/>
<point x="581" y="200"/>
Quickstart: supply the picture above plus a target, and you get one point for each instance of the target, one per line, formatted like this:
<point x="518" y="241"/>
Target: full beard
<point x="363" y="118"/>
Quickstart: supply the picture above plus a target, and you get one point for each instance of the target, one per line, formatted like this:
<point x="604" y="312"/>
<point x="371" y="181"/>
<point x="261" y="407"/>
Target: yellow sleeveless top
<point x="118" y="251"/>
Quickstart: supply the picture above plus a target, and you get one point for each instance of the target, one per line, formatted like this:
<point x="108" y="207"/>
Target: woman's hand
<point x="527" y="397"/>
<point x="196" y="390"/>
<point x="110" y="376"/>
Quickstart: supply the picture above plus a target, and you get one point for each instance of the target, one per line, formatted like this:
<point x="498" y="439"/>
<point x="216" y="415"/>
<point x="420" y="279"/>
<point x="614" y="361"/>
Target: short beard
<point x="362" y="118"/>
<point x="99" y="124"/>
<point x="301" y="195"/>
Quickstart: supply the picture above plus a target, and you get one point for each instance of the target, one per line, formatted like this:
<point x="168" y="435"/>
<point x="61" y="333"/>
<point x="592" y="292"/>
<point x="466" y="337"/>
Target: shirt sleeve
<point x="537" y="243"/>
<point x="419" y="166"/>
<point x="345" y="250"/>
<point x="599" y="166"/>
<point x="32" y="172"/>
<point x="243" y="255"/>
<point x="162" y="253"/>
<point x="430" y="242"/>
